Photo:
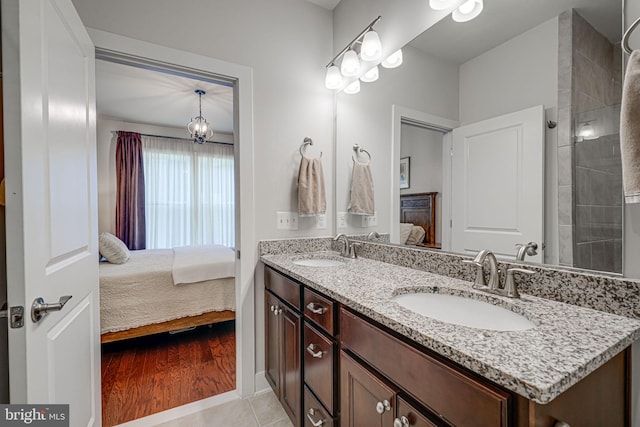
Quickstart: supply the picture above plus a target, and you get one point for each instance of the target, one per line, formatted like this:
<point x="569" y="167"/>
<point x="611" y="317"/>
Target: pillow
<point x="113" y="249"/>
<point x="416" y="235"/>
<point x="405" y="229"/>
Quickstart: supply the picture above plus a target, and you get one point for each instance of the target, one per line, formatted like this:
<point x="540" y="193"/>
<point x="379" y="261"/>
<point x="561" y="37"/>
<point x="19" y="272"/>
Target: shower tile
<point x="565" y="237"/>
<point x="565" y="212"/>
<point x="583" y="255"/>
<point x="564" y="165"/>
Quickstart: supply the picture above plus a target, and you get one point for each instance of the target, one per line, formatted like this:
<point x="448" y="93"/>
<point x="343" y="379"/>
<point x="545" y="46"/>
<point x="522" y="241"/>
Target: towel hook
<point x="627" y="34"/>
<point x="359" y="150"/>
<point x="306" y="141"/>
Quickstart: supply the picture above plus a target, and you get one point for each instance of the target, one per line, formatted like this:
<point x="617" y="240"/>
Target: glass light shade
<point x="468" y="10"/>
<point x="353" y="88"/>
<point x="200" y="130"/>
<point x="441" y="4"/>
<point x="333" y="80"/>
<point x="371" y="49"/>
<point x="587" y="131"/>
<point x="350" y="64"/>
<point x="394" y="60"/>
<point x="371" y="75"/>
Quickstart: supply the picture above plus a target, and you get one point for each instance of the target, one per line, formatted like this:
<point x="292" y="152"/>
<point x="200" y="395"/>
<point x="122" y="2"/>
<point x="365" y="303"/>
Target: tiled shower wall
<point x="589" y="90"/>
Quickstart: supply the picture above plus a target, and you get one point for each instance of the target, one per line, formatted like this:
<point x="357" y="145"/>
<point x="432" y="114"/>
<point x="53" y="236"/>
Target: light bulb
<point x="587" y="131"/>
<point x="333" y="80"/>
<point x="353" y="88"/>
<point x="350" y="64"/>
<point x="468" y="10"/>
<point x="371" y="47"/>
<point x="394" y="60"/>
<point x="441" y="4"/>
<point x="371" y="75"/>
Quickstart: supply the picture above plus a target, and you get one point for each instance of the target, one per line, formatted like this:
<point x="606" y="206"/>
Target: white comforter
<point x="141" y="292"/>
<point x="193" y="264"/>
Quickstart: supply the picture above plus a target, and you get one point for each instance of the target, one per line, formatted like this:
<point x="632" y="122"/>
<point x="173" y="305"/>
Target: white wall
<point x="520" y="73"/>
<point x="106" y="153"/>
<point x="286" y="43"/>
<point x="422" y="83"/>
<point x="424" y="147"/>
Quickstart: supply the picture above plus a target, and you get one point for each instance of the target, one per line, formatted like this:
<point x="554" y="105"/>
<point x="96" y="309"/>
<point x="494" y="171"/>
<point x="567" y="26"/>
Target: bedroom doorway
<point x="168" y="343"/>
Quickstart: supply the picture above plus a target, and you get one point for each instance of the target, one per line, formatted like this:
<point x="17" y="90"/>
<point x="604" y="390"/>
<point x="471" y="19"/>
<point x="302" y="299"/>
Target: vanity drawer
<point x="319" y="366"/>
<point x="450" y="393"/>
<point x="413" y="415"/>
<point x="283" y="287"/>
<point x="320" y="309"/>
<point x="314" y="412"/>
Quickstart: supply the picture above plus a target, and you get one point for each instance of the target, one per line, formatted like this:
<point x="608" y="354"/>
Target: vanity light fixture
<point x="198" y="127"/>
<point x="394" y="60"/>
<point x="371" y="75"/>
<point x="587" y="131"/>
<point x="353" y="88"/>
<point x="367" y="43"/>
<point x="468" y="10"/>
<point x="442" y="4"/>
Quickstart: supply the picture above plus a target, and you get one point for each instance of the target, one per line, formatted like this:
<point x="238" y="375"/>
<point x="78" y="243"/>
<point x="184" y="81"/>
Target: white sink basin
<point x="464" y="311"/>
<point x="319" y="262"/>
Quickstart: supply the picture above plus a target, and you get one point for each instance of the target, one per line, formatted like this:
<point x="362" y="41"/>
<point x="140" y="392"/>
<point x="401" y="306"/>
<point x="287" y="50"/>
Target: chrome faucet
<point x="373" y="235"/>
<point x="528" y="249"/>
<point x="509" y="289"/>
<point x="348" y="248"/>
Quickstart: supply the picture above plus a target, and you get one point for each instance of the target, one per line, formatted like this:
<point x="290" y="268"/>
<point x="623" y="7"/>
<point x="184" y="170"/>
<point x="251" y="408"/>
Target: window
<point x="189" y="193"/>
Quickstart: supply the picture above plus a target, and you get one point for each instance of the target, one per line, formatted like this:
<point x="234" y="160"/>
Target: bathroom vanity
<point x="341" y="352"/>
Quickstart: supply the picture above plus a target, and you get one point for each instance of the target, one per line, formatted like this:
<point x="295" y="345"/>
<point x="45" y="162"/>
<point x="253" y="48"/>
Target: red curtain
<point x="130" y="216"/>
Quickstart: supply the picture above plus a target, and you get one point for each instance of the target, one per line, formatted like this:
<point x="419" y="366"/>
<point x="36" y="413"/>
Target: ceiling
<point x="144" y="96"/>
<point x="327" y="4"/>
<point x="502" y="20"/>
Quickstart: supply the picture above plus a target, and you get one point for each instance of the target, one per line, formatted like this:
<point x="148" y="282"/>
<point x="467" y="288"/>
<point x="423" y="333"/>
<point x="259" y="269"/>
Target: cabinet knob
<point x="310" y="415"/>
<point x="401" y="422"/>
<point x="561" y="424"/>
<point x="383" y="406"/>
<point x="276" y="310"/>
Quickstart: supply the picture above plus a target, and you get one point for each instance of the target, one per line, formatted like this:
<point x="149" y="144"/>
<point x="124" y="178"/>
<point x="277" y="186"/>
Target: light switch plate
<point x="287" y="220"/>
<point x="342" y="220"/>
<point x="321" y="221"/>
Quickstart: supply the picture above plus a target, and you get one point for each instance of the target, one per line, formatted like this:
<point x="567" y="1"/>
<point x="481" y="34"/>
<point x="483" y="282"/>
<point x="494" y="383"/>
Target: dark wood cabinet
<point x="366" y="400"/>
<point x="283" y="343"/>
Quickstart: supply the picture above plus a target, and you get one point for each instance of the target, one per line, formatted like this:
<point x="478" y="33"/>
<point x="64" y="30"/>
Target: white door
<point x="51" y="206"/>
<point x="497" y="184"/>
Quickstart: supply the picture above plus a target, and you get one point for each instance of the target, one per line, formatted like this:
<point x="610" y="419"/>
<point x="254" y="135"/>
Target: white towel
<point x="312" y="199"/>
<point x="193" y="264"/>
<point x="630" y="130"/>
<point x="361" y="202"/>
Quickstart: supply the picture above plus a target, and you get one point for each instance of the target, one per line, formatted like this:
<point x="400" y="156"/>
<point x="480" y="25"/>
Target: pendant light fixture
<point x="371" y="49"/>
<point x="350" y="64"/>
<point x="468" y="10"/>
<point x="333" y="80"/>
<point x="198" y="127"/>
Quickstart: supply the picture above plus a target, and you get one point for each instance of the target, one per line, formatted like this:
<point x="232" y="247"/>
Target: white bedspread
<point x="193" y="264"/>
<point x="141" y="292"/>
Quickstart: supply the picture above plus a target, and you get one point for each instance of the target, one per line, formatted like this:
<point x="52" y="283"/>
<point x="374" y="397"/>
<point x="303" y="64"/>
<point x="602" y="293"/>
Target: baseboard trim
<point x="184" y="410"/>
<point x="261" y="383"/>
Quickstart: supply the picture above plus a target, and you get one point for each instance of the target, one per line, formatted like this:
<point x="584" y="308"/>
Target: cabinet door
<point x="291" y="385"/>
<point x="365" y="399"/>
<point x="273" y="342"/>
<point x="410" y="416"/>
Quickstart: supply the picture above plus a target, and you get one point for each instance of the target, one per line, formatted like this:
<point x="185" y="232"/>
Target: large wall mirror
<point x="527" y="97"/>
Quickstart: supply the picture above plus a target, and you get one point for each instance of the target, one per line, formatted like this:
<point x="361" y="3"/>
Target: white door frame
<point x="245" y="207"/>
<point x="398" y="113"/>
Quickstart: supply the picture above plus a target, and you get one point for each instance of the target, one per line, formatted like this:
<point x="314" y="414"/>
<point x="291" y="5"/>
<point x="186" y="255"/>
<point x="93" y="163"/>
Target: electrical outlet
<point x="342" y="220"/>
<point x="287" y="220"/>
<point x="369" y="220"/>
<point x="321" y="222"/>
<point x="365" y="221"/>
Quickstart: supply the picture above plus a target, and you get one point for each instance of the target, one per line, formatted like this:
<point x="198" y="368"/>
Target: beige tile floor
<point x="263" y="410"/>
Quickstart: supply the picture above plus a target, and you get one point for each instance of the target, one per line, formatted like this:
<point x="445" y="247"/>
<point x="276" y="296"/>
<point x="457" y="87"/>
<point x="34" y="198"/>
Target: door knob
<point x="39" y="309"/>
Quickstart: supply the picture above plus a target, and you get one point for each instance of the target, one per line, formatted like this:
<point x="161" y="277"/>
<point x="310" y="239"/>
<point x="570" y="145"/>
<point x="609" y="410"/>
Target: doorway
<point x="189" y="198"/>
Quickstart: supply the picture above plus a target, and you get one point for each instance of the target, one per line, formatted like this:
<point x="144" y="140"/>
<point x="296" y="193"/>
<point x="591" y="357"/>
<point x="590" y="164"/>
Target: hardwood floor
<point x="146" y="375"/>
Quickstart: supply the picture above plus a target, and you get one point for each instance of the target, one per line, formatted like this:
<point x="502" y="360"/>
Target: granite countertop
<point x="567" y="344"/>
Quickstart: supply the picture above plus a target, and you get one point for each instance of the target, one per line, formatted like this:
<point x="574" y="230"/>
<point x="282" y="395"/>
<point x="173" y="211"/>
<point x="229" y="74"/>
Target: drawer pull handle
<point x="383" y="406"/>
<point x="310" y="415"/>
<point x="401" y="422"/>
<point x="316" y="308"/>
<point x="311" y="350"/>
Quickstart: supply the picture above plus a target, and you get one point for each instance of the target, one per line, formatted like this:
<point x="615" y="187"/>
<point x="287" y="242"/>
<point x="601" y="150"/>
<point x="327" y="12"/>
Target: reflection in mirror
<point x="567" y="60"/>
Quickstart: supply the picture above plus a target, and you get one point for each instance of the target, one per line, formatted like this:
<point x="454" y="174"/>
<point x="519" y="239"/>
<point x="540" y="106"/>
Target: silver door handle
<point x="310" y="415"/>
<point x="39" y="309"/>
<point x="311" y="350"/>
<point x="316" y="308"/>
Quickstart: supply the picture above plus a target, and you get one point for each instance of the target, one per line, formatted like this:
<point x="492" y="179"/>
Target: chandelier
<point x="198" y="127"/>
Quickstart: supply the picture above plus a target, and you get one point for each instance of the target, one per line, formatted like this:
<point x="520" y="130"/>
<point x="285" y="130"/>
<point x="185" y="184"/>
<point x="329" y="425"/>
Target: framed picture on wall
<point x="404" y="172"/>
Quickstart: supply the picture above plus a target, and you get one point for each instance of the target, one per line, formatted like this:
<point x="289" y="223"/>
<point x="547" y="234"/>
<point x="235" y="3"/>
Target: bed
<point x="140" y="298"/>
<point x="419" y="210"/>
